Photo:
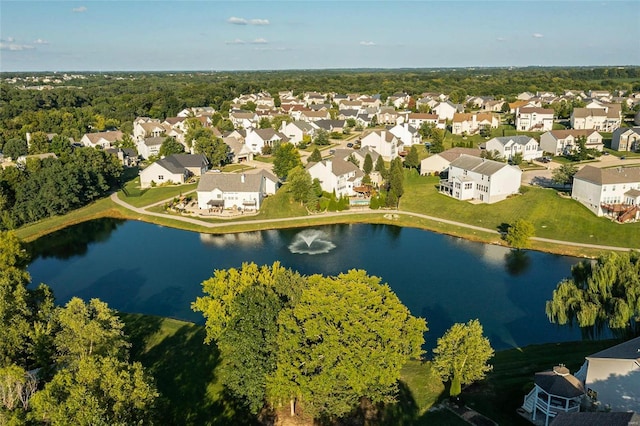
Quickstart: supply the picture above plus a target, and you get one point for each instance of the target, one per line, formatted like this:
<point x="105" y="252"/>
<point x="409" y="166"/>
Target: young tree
<point x="264" y="123"/>
<point x="170" y="146"/>
<point x="367" y="167"/>
<point x="412" y="160"/>
<point x="347" y="338"/>
<point x="380" y="168"/>
<point x="396" y="183"/>
<point x="322" y="137"/>
<point x="462" y="354"/>
<point x="564" y="174"/>
<point x="353" y="160"/>
<point x="315" y="156"/>
<point x="606" y="292"/>
<point x="519" y="233"/>
<point x="286" y="157"/>
<point x="300" y="184"/>
<point x="581" y="152"/>
<point x="517" y="159"/>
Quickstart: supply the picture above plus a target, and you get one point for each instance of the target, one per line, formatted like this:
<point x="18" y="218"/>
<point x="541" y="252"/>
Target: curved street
<point x="143" y="211"/>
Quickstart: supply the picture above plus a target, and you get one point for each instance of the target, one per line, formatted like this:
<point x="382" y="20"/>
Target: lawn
<point x="132" y="194"/>
<point x="553" y="216"/>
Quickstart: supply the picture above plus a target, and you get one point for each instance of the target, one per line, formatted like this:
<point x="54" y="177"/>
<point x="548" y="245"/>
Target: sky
<point x="183" y="35"/>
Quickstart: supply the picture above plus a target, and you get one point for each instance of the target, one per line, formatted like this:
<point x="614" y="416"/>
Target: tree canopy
<point x="462" y="354"/>
<point x="285" y="158"/>
<point x="598" y="294"/>
<point x="564" y="174"/>
<point x="518" y="234"/>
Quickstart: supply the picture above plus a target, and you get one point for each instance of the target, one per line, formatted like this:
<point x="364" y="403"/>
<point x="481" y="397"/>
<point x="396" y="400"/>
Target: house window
<point x="468" y="185"/>
<point x="160" y="177"/>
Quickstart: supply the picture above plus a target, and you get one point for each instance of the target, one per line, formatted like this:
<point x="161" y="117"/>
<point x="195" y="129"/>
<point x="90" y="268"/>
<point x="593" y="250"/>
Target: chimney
<point x="242" y="177"/>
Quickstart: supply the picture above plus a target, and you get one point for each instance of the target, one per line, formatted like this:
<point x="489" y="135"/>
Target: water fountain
<point x="311" y="241"/>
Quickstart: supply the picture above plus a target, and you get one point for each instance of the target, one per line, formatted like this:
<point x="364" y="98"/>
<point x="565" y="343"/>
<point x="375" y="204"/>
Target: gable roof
<point x="177" y="163"/>
<point x="338" y="167"/>
<point x="520" y="139"/>
<point x="626" y="350"/>
<point x="453" y="153"/>
<point x="479" y="165"/>
<point x="231" y="182"/>
<point x="156" y="140"/>
<point x="535" y="110"/>
<point x="561" y="134"/>
<point x="330" y="124"/>
<point x="110" y="136"/>
<point x="608" y="176"/>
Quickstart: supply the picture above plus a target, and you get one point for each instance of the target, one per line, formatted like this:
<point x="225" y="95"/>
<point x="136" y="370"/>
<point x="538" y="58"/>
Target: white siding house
<point x="175" y="169"/>
<point x="487" y="181"/>
<point x="508" y="146"/>
<point x="626" y="139"/>
<point x="384" y="143"/>
<point x="337" y="176"/>
<point x="534" y="119"/>
<point x="232" y="190"/>
<point x="560" y="142"/>
<point x="438" y="163"/>
<point x="407" y="134"/>
<point x="101" y="139"/>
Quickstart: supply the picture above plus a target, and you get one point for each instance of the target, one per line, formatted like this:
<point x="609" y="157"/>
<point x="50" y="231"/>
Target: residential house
<point x="612" y="377"/>
<point x="176" y="168"/>
<point x="347" y="104"/>
<point x="513" y="106"/>
<point x="313" y="98"/>
<point x="148" y="147"/>
<point x="101" y="139"/>
<point x="387" y="115"/>
<point x="358" y="154"/>
<point x="468" y="124"/>
<point x="148" y="128"/>
<point x="399" y="100"/>
<point x="259" y="138"/>
<point x="336" y="175"/>
<point x="508" y="146"/>
<point x="418" y="119"/>
<point x="383" y="142"/>
<point x="331" y="125"/>
<point x="24" y="158"/>
<point x="528" y="119"/>
<point x="128" y="157"/>
<point x="197" y="112"/>
<point x="613" y="192"/>
<point x="244" y="119"/>
<point x="370" y="101"/>
<point x="445" y="110"/>
<point x="493" y="106"/>
<point x="239" y="152"/>
<point x="556" y="391"/>
<point x="311" y="116"/>
<point x="626" y="139"/>
<point x="244" y="191"/>
<point x="407" y="134"/>
<point x="438" y="163"/>
<point x="486" y="181"/>
<point x="561" y="142"/>
<point x="297" y="130"/>
<point x="606" y="119"/>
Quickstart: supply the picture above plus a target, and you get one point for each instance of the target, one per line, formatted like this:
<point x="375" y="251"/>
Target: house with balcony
<point x="531" y="119"/>
<point x="479" y="179"/>
<point x="606" y="118"/>
<point x="614" y="192"/>
<point x="245" y="191"/>
<point x="471" y="123"/>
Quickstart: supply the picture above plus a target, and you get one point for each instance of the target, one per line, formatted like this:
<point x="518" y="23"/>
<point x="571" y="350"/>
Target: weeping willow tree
<point x="600" y="293"/>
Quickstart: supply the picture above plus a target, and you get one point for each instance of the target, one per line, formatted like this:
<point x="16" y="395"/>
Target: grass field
<point x="553" y="216"/>
<point x="132" y="194"/>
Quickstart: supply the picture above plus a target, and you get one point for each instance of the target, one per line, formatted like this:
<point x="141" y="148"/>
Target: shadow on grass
<point x="184" y="371"/>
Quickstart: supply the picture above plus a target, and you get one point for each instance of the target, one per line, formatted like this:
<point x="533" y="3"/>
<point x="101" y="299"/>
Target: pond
<point x="144" y="268"/>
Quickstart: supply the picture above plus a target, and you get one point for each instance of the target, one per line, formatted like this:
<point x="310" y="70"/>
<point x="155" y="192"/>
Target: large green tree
<point x="170" y="146"/>
<point x="300" y="184"/>
<point x="285" y="158"/>
<point x="564" y="174"/>
<point x="412" y="160"/>
<point x="346" y="338"/>
<point x="519" y="234"/>
<point x="367" y="166"/>
<point x="14" y="148"/>
<point x="598" y="294"/>
<point x="315" y="156"/>
<point x="461" y="355"/>
<point x="216" y="151"/>
<point x="395" y="183"/>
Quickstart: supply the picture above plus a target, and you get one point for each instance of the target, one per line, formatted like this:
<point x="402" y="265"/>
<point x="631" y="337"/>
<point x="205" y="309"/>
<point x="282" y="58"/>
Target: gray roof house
<point x="508" y="146"/>
<point x="244" y="191"/>
<point x="176" y="168"/>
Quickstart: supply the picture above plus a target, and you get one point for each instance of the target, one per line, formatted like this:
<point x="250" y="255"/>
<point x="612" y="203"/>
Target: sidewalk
<point x="470" y="416"/>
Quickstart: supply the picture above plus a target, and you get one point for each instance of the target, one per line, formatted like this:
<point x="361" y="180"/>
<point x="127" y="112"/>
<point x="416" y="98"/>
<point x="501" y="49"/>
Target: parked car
<point x="349" y="145"/>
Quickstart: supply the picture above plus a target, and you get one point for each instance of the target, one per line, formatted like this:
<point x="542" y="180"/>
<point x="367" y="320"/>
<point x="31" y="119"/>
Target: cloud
<point x="367" y="43"/>
<point x="14" y="46"/>
<point x="11" y="39"/>
<point x="242" y="21"/>
<point x="237" y="21"/>
<point x="80" y="9"/>
<point x="236" y="41"/>
<point x="40" y="41"/>
<point x="272" y="49"/>
<point x="259" y="41"/>
<point x="537" y="35"/>
<point x="501" y="39"/>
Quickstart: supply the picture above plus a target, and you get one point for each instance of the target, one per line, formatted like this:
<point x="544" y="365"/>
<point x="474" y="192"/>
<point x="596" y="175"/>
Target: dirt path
<point x="143" y="211"/>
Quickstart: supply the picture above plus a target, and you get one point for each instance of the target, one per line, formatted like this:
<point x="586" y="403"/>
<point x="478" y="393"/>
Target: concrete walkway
<point x="383" y="213"/>
<point x="470" y="416"/>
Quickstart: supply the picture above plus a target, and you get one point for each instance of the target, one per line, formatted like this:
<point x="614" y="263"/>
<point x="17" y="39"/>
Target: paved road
<point x="383" y="213"/>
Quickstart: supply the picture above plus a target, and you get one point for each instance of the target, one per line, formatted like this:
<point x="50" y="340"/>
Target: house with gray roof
<point x="508" y="146"/>
<point x="244" y="191"/>
<point x="626" y="139"/>
<point x="612" y="377"/>
<point x="481" y="180"/>
<point x="358" y="154"/>
<point x="438" y="163"/>
<point x="613" y="192"/>
<point x="596" y="418"/>
<point x="173" y="169"/>
<point x="297" y="130"/>
<point x="336" y="175"/>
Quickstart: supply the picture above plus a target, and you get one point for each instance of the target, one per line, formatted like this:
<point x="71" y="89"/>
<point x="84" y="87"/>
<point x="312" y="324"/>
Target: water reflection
<point x="223" y="240"/>
<point x="517" y="262"/>
<point x="74" y="240"/>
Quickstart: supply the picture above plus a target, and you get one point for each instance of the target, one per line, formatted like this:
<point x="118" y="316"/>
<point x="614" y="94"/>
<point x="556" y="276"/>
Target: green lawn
<point x="553" y="216"/>
<point x="132" y="194"/>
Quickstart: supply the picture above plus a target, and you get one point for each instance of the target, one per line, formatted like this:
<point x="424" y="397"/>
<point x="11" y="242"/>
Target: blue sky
<point x="248" y="35"/>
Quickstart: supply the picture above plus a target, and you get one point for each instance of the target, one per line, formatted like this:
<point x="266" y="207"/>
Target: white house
<point x="228" y="190"/>
<point x="239" y="152"/>
<point x="407" y="134"/>
<point x="508" y="146"/>
<point x="149" y="146"/>
<point x="556" y="391"/>
<point x="297" y="130"/>
<point x="614" y="192"/>
<point x="612" y="376"/>
<point x="560" y="142"/>
<point x="144" y="127"/>
<point x="416" y="120"/>
<point x="383" y="142"/>
<point x="101" y="139"/>
<point x="337" y="176"/>
<point x="626" y="139"/>
<point x="438" y="163"/>
<point x="244" y="120"/>
<point x="358" y="154"/>
<point x="259" y="138"/>
<point x="311" y="116"/>
<point x="445" y="110"/>
<point x="176" y="168"/>
<point x="487" y="181"/>
<point x="466" y="123"/>
<point x="606" y="119"/>
<point x="534" y="119"/>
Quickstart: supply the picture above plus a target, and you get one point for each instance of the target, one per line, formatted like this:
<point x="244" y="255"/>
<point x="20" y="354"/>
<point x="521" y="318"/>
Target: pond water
<point x="145" y="268"/>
